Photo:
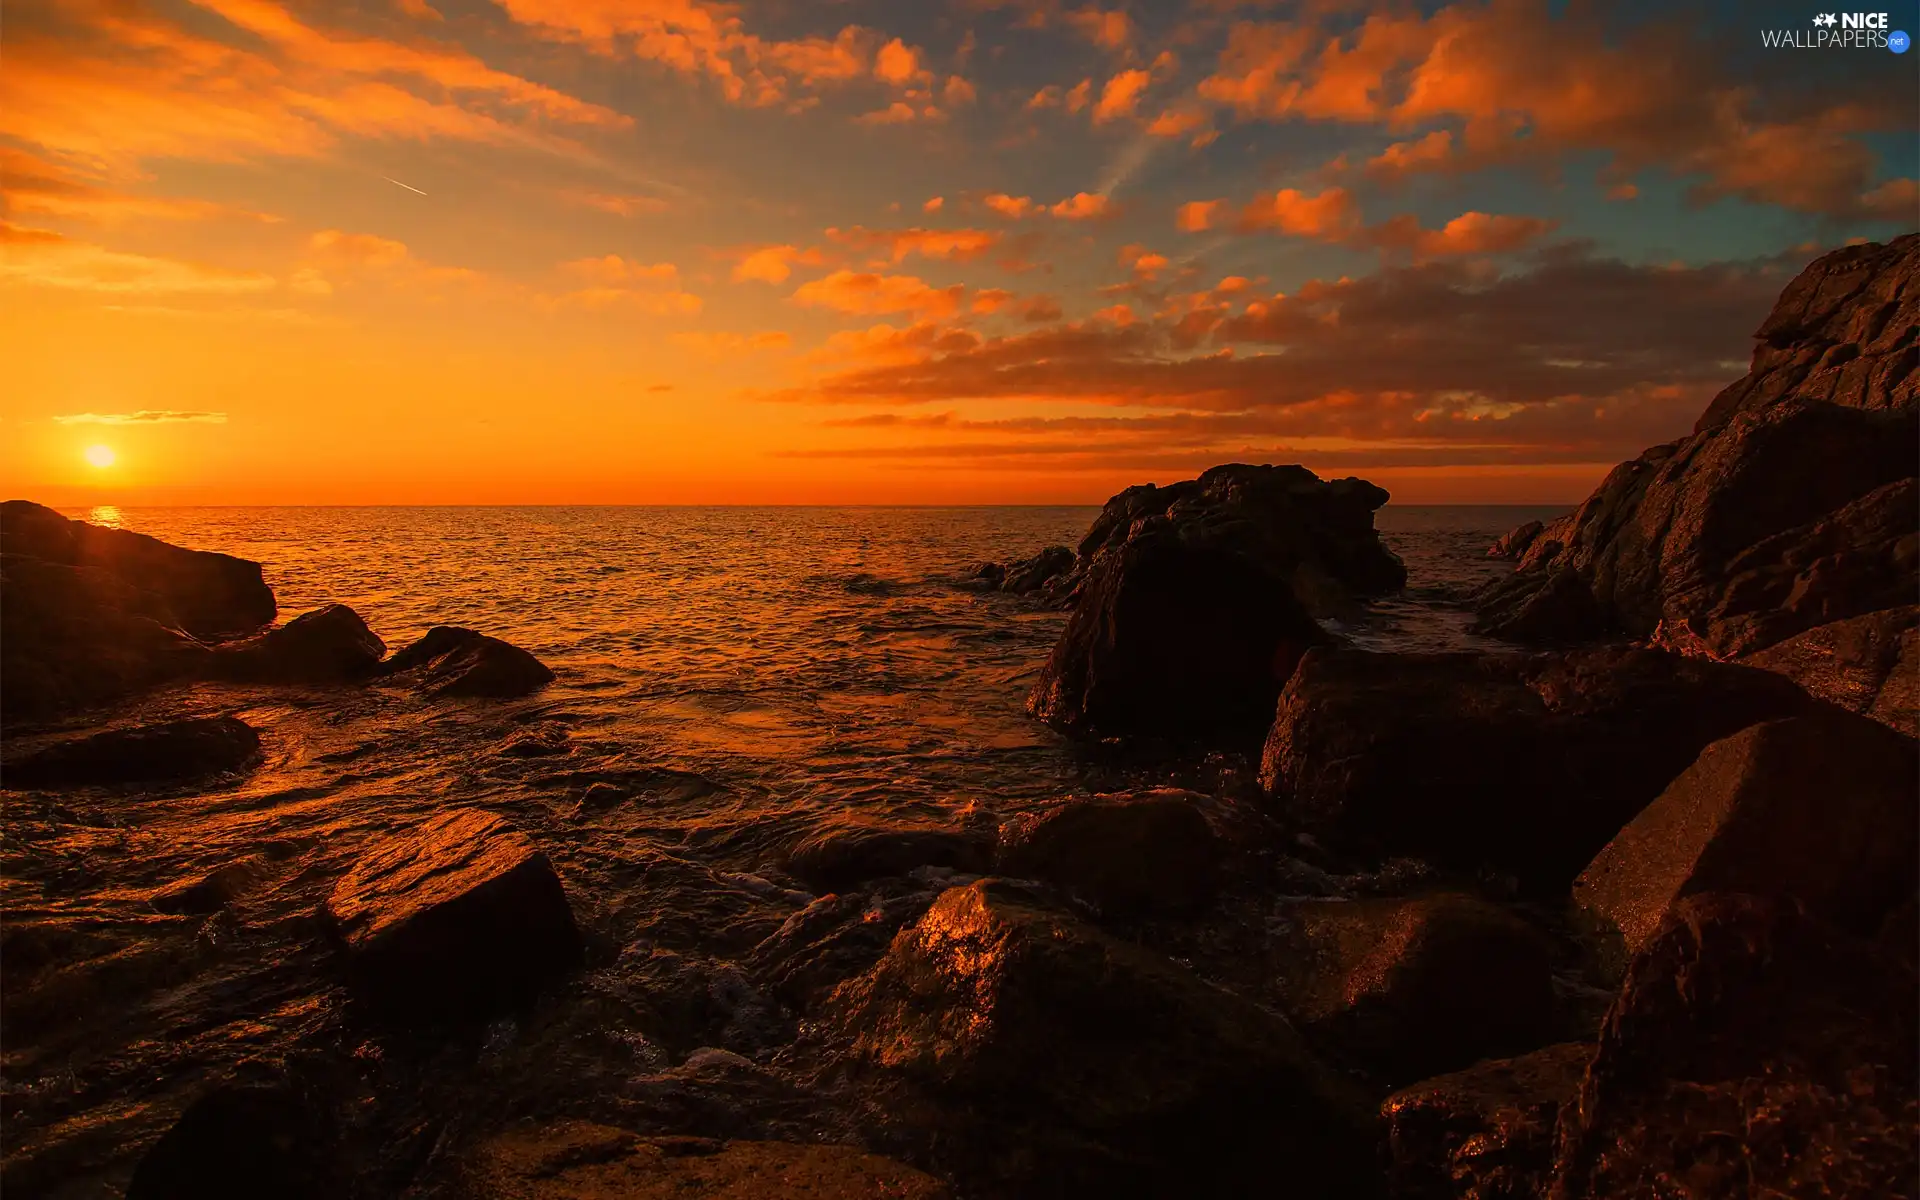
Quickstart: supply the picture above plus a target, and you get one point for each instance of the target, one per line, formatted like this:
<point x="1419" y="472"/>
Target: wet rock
<point x="1485" y="1133"/>
<point x="213" y="891"/>
<point x="1753" y="1051"/>
<point x="1868" y="664"/>
<point x="1527" y="764"/>
<point x="1820" y="808"/>
<point x="172" y="751"/>
<point x="603" y="796"/>
<point x="450" y="661"/>
<point x="459" y="917"/>
<point x="242" y="1141"/>
<point x="1411" y="987"/>
<point x="836" y="938"/>
<point x="576" y="1161"/>
<point x="1109" y="1069"/>
<point x="1127" y="854"/>
<point x="851" y="850"/>
<point x="547" y="741"/>
<point x="1513" y="543"/>
<point x="1049" y="573"/>
<point x="326" y="645"/>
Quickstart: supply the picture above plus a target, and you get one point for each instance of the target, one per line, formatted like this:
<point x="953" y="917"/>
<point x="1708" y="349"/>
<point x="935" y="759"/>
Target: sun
<point x="101" y="456"/>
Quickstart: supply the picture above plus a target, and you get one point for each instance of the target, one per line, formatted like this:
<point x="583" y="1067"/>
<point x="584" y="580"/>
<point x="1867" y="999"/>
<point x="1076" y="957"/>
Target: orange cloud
<point x="773" y="264"/>
<point x="869" y="293"/>
<point x="1468" y="233"/>
<point x="1011" y="207"/>
<point x="32" y="185"/>
<point x="46" y="259"/>
<point x="612" y="269"/>
<point x="1083" y="206"/>
<point x="338" y="258"/>
<point x="1109" y="29"/>
<point x="1078" y="96"/>
<point x="1177" y="122"/>
<point x="954" y="245"/>
<point x="887" y="345"/>
<point x="988" y="301"/>
<point x="934" y="205"/>
<point x="620" y="205"/>
<point x="1121" y="96"/>
<point x="896" y="63"/>
<point x="1332" y="215"/>
<point x="1195" y="216"/>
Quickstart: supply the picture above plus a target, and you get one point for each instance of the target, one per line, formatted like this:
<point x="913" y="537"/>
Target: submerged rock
<point x="460" y="917"/>
<point x="242" y="1141"/>
<point x="1821" y="808"/>
<point x="172" y="751"/>
<point x="1525" y="763"/>
<point x="1753" y="1051"/>
<point x="851" y="850"/>
<point x="1869" y="665"/>
<point x="1485" y="1133"/>
<point x="1126" y="854"/>
<point x="573" y="1160"/>
<point x="326" y="645"/>
<point x="450" y="661"/>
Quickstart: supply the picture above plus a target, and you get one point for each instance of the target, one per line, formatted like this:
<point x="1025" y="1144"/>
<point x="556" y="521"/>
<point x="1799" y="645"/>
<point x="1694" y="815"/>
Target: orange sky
<point x="975" y="251"/>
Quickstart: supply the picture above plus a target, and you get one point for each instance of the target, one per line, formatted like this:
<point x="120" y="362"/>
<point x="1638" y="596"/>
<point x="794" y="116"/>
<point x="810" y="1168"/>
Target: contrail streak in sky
<point x="395" y="182"/>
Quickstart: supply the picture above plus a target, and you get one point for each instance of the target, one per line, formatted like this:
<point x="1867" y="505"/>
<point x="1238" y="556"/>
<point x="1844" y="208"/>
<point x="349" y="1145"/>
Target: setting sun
<point x="101" y="456"/>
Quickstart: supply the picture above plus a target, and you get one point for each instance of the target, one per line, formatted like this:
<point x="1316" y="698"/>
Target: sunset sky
<point x="979" y="251"/>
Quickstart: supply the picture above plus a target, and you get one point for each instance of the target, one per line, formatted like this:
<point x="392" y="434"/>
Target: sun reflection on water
<point x="105" y="514"/>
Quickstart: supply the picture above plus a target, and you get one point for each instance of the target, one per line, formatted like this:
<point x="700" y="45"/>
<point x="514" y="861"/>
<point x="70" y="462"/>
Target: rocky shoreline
<point x="1631" y="912"/>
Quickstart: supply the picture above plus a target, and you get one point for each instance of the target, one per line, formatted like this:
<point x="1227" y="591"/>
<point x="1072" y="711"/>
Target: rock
<point x="168" y="752"/>
<point x="602" y="796"/>
<point x="1126" y="854"/>
<point x="326" y="645"/>
<point x="1173" y="638"/>
<point x="213" y="891"/>
<point x="460" y="917"/>
<point x="1868" y="665"/>
<point x="450" y="661"/>
<point x="1050" y="572"/>
<point x="1753" y="1051"/>
<point x="850" y="850"/>
<point x="1527" y="764"/>
<point x="1110" y="1068"/>
<point x="1513" y="543"/>
<point x="1411" y="987"/>
<point x="835" y="938"/>
<point x="1819" y="807"/>
<point x="238" y="1141"/>
<point x="1485" y="1133"/>
<point x="573" y="1160"/>
<point x="541" y="741"/>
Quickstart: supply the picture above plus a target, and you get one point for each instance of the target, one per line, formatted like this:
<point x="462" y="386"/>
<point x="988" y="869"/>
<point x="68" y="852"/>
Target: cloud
<point x="1468" y="233"/>
<point x="1331" y="215"/>
<point x="612" y="281"/>
<point x="146" y="416"/>
<point x="32" y="185"/>
<point x="869" y="293"/>
<point x="619" y="204"/>
<point x="1196" y="216"/>
<point x="933" y="205"/>
<point x="893" y="245"/>
<point x="1011" y="207"/>
<point x="44" y="258"/>
<point x="773" y="264"/>
<point x="1121" y="96"/>
<point x="1083" y="206"/>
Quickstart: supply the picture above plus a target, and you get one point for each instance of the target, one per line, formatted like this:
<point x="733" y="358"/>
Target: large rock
<point x="251" y="1140"/>
<point x="1513" y="543"/>
<point x="1412" y="987"/>
<point x="851" y="850"/>
<point x="1019" y="1011"/>
<point x="1524" y="763"/>
<point x="450" y="661"/>
<point x="1821" y="808"/>
<point x="172" y="751"/>
<point x="1127" y="854"/>
<point x="1753" y="1051"/>
<point x="459" y="917"/>
<point x="326" y="645"/>
<point x="1869" y="665"/>
<point x="1485" y="1133"/>
<point x="573" y="1160"/>
<point x="1764" y="521"/>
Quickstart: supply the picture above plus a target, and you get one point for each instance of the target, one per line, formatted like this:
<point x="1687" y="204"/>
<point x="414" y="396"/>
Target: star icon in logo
<point x="1827" y="19"/>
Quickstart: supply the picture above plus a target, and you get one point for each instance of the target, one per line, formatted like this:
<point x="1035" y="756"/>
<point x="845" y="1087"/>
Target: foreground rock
<point x="1528" y="764"/>
<point x="174" y="751"/>
<point x="1821" y="809"/>
<point x="1485" y="1133"/>
<point x="327" y="645"/>
<point x="242" y="1141"/>
<point x="1514" y="543"/>
<point x="1412" y="987"/>
<point x="1050" y="573"/>
<point x="576" y="1161"/>
<point x="1108" y="1069"/>
<point x="1126" y="854"/>
<point x="1753" y="1051"/>
<point x="852" y="850"/>
<point x="459" y="918"/>
<point x="450" y="661"/>
<point x="1869" y="665"/>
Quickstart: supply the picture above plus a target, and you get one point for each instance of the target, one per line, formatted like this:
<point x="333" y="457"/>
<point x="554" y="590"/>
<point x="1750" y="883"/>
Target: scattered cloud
<point x="146" y="416"/>
<point x="44" y="258"/>
<point x="868" y="293"/>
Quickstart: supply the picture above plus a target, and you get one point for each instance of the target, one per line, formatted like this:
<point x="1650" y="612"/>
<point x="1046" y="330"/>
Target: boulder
<point x="1110" y="1069"/>
<point x="1820" y="807"/>
<point x="450" y="661"/>
<point x="1485" y="1133"/>
<point x="326" y="645"/>
<point x="1868" y="665"/>
<point x="1753" y="1051"/>
<point x="459" y="917"/>
<point x="850" y="850"/>
<point x="573" y="1160"/>
<point x="1527" y="764"/>
<point x="1126" y="854"/>
<point x="1513" y="543"/>
<point x="173" y="751"/>
<point x="248" y="1140"/>
<point x="213" y="891"/>
<point x="836" y="938"/>
<point x="1411" y="987"/>
<point x="1050" y="573"/>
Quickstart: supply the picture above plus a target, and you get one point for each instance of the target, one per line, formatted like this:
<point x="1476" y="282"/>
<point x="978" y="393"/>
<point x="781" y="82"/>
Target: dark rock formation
<point x="450" y="661"/>
<point x="1050" y="573"/>
<point x="1485" y="1133"/>
<point x="1513" y="543"/>
<point x="852" y="850"/>
<point x="213" y="891"/>
<point x="238" y="1141"/>
<point x="326" y="645"/>
<point x="1125" y="854"/>
<point x="169" y="752"/>
<point x="1525" y="763"/>
<point x="1116" y="1072"/>
<point x="460" y="917"/>
<point x="1869" y="665"/>
<point x="1821" y="808"/>
<point x="1753" y="1051"/>
<point x="1790" y="505"/>
<point x="573" y="1160"/>
<point x="1411" y="987"/>
<point x="836" y="938"/>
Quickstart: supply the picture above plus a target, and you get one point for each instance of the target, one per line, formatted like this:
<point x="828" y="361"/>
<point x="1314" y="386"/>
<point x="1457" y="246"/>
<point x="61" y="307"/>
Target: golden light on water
<point x="105" y="514"/>
<point x="101" y="456"/>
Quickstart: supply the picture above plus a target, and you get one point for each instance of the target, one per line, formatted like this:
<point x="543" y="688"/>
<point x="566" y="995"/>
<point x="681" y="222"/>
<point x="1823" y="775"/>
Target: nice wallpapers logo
<point x="1840" y="31"/>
